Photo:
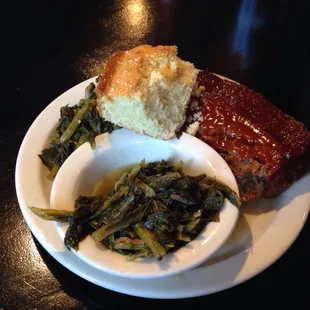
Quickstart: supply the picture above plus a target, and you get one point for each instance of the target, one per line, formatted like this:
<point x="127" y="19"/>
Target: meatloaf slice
<point x="266" y="149"/>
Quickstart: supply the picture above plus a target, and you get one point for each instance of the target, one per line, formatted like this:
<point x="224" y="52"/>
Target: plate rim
<point x="187" y="293"/>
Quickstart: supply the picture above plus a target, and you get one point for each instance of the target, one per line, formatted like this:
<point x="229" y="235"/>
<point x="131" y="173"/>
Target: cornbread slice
<point x="146" y="89"/>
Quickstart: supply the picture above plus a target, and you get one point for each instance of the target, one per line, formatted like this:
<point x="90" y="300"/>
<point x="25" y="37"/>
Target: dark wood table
<point x="49" y="46"/>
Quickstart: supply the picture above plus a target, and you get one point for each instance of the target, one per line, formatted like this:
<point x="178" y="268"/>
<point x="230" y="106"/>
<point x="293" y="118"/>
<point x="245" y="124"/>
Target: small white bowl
<point x="86" y="167"/>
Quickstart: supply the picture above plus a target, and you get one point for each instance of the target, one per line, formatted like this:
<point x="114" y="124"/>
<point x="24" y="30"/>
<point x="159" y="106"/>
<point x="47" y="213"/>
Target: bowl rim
<point x="85" y="154"/>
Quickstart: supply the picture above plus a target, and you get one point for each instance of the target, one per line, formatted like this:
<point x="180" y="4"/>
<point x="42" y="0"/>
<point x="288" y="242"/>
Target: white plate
<point x="86" y="167"/>
<point x="266" y="230"/>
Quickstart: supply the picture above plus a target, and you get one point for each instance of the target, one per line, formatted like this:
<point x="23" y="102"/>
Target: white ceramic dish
<point x="262" y="235"/>
<point x="86" y="167"/>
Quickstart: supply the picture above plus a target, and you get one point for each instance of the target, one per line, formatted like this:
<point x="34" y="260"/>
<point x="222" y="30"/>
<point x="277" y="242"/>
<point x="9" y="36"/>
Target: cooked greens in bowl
<point x="151" y="210"/>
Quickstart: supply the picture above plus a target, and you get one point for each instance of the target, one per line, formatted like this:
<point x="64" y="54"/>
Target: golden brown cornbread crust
<point x="146" y="89"/>
<point x="124" y="68"/>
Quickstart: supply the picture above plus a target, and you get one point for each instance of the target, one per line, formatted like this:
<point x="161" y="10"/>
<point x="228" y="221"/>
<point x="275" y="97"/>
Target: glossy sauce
<point x="228" y="131"/>
<point x="236" y="119"/>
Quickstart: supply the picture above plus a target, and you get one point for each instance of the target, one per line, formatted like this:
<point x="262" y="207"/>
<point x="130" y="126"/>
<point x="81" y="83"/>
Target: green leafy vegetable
<point x="139" y="254"/>
<point x="191" y="225"/>
<point x="77" y="125"/>
<point x="227" y="192"/>
<point x="125" y="243"/>
<point x="75" y="234"/>
<point x="123" y="220"/>
<point x="151" y="210"/>
<point x="161" y="181"/>
<point x="150" y="239"/>
<point x="117" y="195"/>
<point x="61" y="216"/>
